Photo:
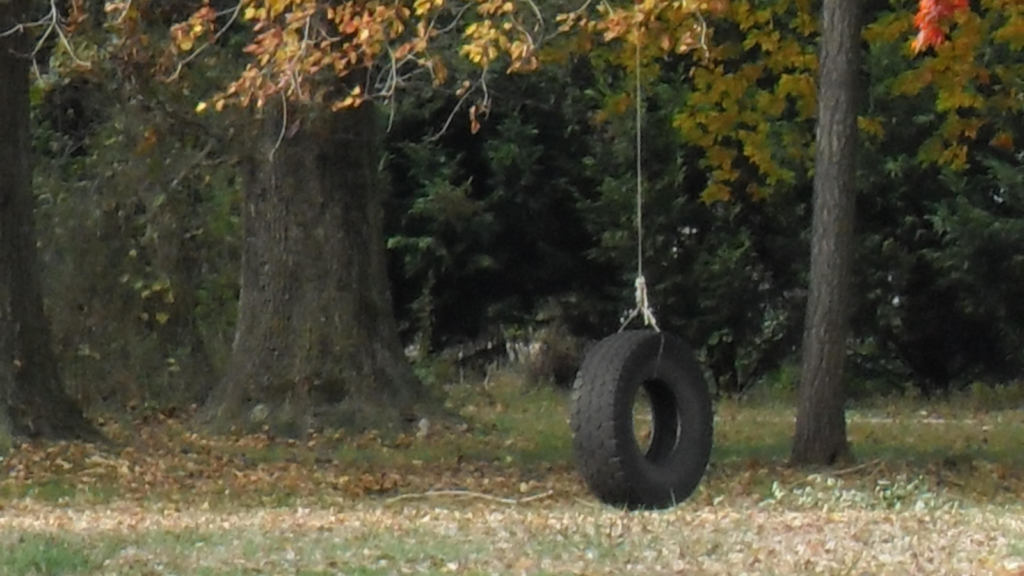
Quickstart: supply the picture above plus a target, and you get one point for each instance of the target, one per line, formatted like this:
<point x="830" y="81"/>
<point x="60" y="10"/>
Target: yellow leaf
<point x="871" y="127"/>
<point x="200" y="107"/>
<point x="716" y="192"/>
<point x="162" y="318"/>
<point x="911" y="82"/>
<point x="348" y="102"/>
<point x="276" y="7"/>
<point x="955" y="157"/>
<point x="421" y="7"/>
<point x="185" y="42"/>
<point x="440" y="71"/>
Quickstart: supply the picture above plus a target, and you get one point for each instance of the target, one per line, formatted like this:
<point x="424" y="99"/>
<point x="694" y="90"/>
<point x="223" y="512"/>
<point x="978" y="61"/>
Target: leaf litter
<point x="302" y="508"/>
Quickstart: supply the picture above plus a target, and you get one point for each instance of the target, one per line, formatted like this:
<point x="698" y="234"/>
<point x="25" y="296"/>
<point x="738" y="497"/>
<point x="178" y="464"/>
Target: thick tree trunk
<point x="38" y="404"/>
<point x="6" y="330"/>
<point x="821" y="421"/>
<point x="316" y="341"/>
<point x="8" y="172"/>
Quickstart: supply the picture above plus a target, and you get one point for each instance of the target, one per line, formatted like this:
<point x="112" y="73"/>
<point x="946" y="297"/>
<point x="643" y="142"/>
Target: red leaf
<point x="930" y="16"/>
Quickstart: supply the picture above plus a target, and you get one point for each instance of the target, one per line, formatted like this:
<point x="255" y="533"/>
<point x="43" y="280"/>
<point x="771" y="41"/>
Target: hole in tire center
<point x="643" y="420"/>
<point x="656" y="423"/>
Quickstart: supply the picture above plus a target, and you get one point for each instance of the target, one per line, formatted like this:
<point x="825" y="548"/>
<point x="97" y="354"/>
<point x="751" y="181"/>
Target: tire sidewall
<point x="666" y="359"/>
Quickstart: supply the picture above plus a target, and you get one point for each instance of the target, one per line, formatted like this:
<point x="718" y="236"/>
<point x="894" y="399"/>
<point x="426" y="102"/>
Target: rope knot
<point x="643" y="306"/>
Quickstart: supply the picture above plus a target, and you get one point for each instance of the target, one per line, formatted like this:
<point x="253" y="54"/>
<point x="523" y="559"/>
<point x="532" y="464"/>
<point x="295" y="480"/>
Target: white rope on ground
<point x="643" y="305"/>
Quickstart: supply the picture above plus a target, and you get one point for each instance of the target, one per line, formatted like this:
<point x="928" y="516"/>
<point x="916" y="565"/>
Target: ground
<point x="936" y="491"/>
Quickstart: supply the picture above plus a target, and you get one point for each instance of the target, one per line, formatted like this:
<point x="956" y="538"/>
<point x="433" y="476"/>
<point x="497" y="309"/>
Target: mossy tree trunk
<point x="317" y="340"/>
<point x="30" y="383"/>
<point x="820" y="436"/>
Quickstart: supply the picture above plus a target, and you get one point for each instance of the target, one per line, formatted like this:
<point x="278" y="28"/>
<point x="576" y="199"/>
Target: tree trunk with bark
<point x="37" y="403"/>
<point x="820" y="436"/>
<point x="6" y="333"/>
<point x="317" y="340"/>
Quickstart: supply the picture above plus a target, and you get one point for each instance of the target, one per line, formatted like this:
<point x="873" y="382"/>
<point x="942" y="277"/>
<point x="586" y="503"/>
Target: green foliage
<point x="529" y="223"/>
<point x="937" y="126"/>
<point x="940" y="220"/>
<point x="515" y="197"/>
<point x="139" y="242"/>
<point x="483" y="229"/>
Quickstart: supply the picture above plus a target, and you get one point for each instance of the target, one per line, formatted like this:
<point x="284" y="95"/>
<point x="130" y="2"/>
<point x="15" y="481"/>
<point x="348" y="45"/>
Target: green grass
<point x="910" y="432"/>
<point x="41" y="554"/>
<point x="503" y="423"/>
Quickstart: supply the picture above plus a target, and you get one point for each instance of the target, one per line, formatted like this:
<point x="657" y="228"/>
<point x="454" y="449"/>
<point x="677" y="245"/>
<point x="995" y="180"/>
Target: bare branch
<point x="703" y="33"/>
<point x="52" y="23"/>
<point x="195" y="53"/>
<point x="191" y="166"/>
<point x="451" y="25"/>
<point x="486" y="100"/>
<point x="582" y="8"/>
<point x="42" y="40"/>
<point x="389" y="92"/>
<point x="124" y="13"/>
<point x="296" y="81"/>
<point x="284" y="126"/>
<point x="485" y="104"/>
<point x="536" y="11"/>
<point x="62" y="35"/>
<point x="451" y="115"/>
<point x="26" y="26"/>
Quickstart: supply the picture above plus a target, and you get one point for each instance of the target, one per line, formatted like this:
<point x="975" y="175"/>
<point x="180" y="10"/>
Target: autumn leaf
<point x="1002" y="140"/>
<point x="930" y="18"/>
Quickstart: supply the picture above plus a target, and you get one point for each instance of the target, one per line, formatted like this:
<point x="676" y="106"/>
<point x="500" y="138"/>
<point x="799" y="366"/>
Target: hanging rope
<point x="643" y="306"/>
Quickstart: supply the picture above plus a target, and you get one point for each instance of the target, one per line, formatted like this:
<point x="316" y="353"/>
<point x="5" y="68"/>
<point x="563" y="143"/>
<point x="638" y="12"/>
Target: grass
<point x="58" y="490"/>
<point x="480" y="538"/>
<point x="46" y="554"/>
<point x="936" y="491"/>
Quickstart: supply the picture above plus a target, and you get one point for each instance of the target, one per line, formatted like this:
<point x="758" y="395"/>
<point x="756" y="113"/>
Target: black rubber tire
<point x="604" y="443"/>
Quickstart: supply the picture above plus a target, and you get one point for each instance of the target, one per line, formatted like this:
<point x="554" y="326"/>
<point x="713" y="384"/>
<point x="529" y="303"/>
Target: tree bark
<point x="37" y="404"/>
<point x="820" y="436"/>
<point x="6" y="326"/>
<point x="316" y="340"/>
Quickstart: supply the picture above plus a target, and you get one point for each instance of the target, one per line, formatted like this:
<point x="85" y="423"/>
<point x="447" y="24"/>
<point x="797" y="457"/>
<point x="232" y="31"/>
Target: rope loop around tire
<point x="643" y="307"/>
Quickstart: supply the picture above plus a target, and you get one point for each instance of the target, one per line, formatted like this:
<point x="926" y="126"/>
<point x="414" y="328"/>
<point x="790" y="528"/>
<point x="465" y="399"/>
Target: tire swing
<point x="658" y="369"/>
